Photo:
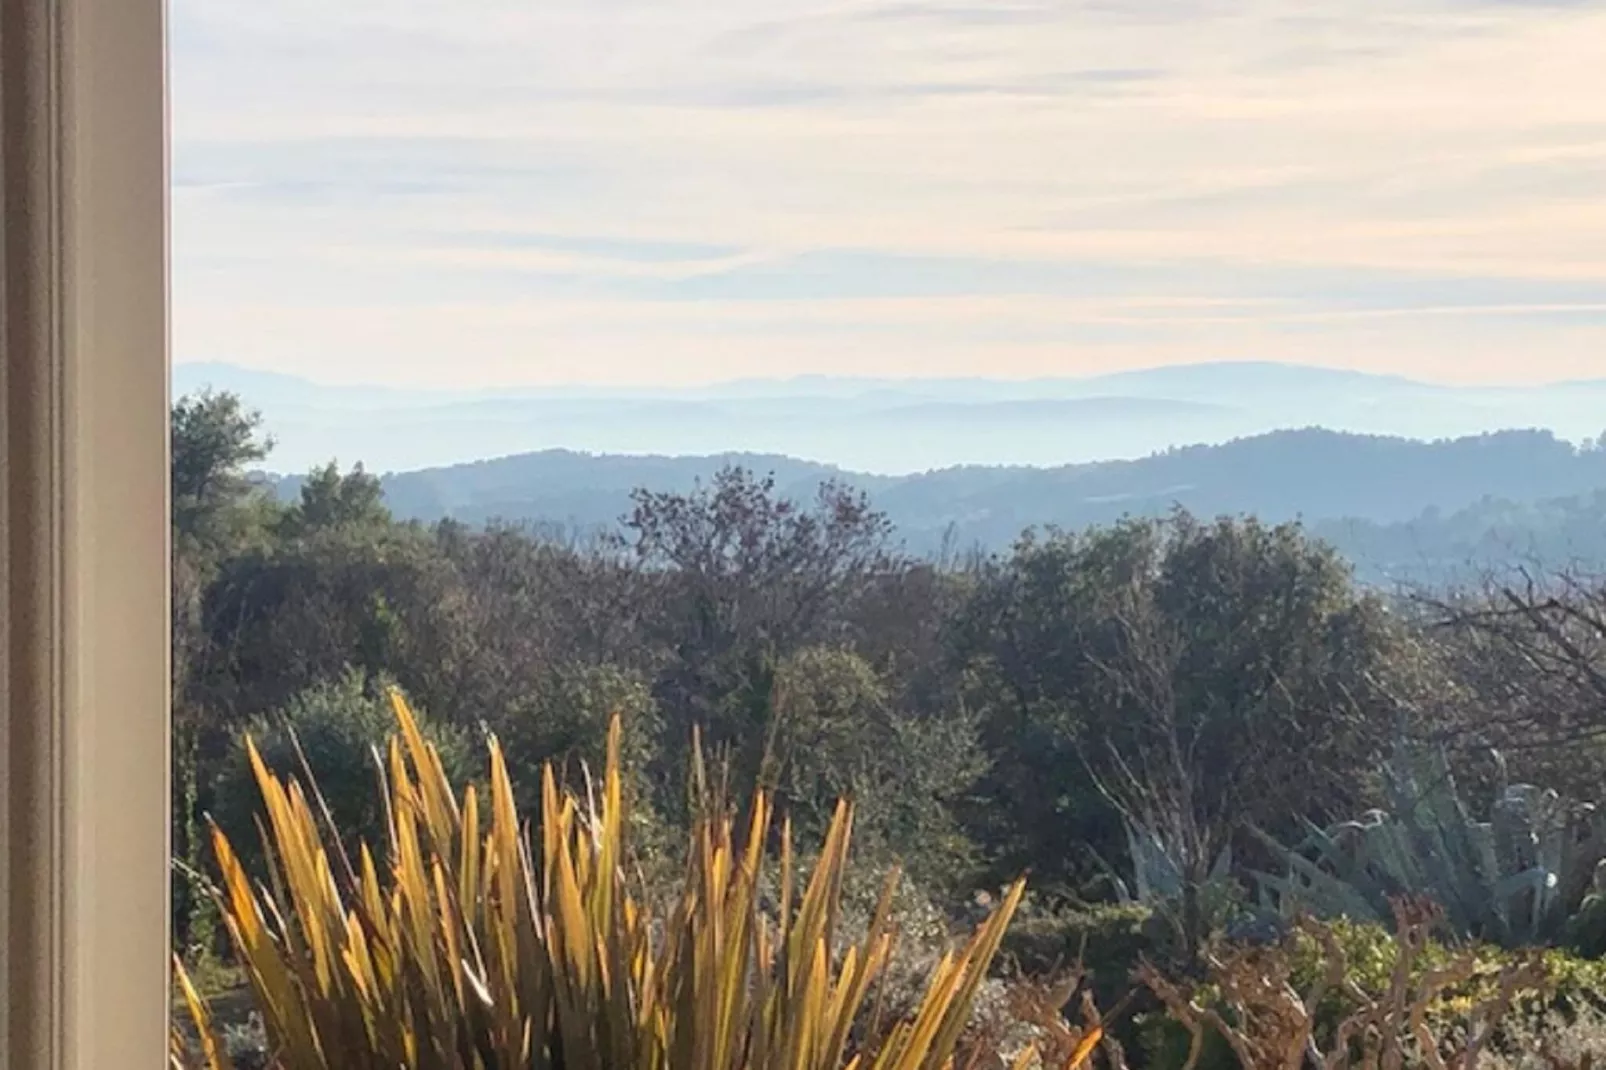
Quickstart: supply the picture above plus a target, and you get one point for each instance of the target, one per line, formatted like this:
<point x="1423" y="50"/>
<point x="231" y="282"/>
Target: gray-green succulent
<point x="1513" y="879"/>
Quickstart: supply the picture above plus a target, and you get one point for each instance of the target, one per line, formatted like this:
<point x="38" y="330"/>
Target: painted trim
<point x="84" y="529"/>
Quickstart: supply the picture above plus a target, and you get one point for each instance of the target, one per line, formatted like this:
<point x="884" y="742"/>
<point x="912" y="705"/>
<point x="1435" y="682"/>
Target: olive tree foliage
<point x="562" y="719"/>
<point x="1191" y="677"/>
<point x="1021" y="641"/>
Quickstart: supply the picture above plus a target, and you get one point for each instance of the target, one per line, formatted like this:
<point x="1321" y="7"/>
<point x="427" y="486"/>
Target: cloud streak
<point x="497" y="191"/>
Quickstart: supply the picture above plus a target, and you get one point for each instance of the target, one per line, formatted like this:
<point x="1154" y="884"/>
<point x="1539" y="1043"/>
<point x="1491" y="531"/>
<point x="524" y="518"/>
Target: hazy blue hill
<point x="1244" y="378"/>
<point x="891" y="426"/>
<point x="1314" y="475"/>
<point x="568" y="488"/>
<point x="1212" y="378"/>
<point x="1492" y="535"/>
<point x="1053" y="410"/>
<point x="1398" y="507"/>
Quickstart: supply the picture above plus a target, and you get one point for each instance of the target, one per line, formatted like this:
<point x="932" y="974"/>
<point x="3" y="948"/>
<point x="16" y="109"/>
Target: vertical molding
<point x="84" y="515"/>
<point x="30" y="116"/>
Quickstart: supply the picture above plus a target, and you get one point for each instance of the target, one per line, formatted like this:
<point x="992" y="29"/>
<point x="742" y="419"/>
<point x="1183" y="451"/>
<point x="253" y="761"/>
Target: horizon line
<point x="826" y="377"/>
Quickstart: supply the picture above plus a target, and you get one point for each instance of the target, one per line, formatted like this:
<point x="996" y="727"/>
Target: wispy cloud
<point x="500" y="190"/>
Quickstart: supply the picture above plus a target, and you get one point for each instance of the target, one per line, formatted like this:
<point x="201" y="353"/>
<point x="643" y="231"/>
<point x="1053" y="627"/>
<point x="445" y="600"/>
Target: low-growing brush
<point x="1252" y="1004"/>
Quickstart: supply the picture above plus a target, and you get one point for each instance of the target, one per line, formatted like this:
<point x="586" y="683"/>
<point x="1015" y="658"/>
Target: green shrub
<point x="1108" y="941"/>
<point x="341" y="727"/>
<point x="561" y="719"/>
<point x="1573" y="996"/>
<point x="839" y="731"/>
<point x="1576" y="986"/>
<point x="1351" y="996"/>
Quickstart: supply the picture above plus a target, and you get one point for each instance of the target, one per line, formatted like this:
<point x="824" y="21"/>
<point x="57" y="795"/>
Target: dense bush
<point x="562" y="718"/>
<point x="1209" y="674"/>
<point x="1575" y="988"/>
<point x="840" y="732"/>
<point x="1106" y="942"/>
<point x="340" y="728"/>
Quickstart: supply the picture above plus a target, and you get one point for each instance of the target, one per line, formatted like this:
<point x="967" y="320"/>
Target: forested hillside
<point x="1398" y="509"/>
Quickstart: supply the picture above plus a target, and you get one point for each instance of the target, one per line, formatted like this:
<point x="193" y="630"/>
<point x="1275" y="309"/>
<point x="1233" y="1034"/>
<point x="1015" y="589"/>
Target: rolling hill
<point x="1396" y="506"/>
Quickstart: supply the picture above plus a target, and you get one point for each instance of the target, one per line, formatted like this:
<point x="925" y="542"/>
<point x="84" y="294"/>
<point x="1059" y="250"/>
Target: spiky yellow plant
<point x="469" y="948"/>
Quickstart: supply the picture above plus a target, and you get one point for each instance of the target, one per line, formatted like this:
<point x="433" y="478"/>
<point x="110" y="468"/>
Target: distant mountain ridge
<point x="1366" y="493"/>
<point x="888" y="426"/>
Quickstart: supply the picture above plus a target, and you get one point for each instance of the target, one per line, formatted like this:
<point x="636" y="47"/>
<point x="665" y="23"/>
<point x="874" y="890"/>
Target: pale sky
<point x="485" y="192"/>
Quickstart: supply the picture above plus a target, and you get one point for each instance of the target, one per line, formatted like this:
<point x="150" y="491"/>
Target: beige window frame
<point x="84" y="625"/>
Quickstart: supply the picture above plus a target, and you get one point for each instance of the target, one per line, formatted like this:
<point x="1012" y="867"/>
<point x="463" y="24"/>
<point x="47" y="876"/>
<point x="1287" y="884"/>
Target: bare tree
<point x="1529" y="650"/>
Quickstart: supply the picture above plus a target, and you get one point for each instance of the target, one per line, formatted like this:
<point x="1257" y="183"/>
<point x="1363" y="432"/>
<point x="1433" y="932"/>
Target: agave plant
<point x="1157" y="869"/>
<point x="1511" y="880"/>
<point x="471" y="947"/>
